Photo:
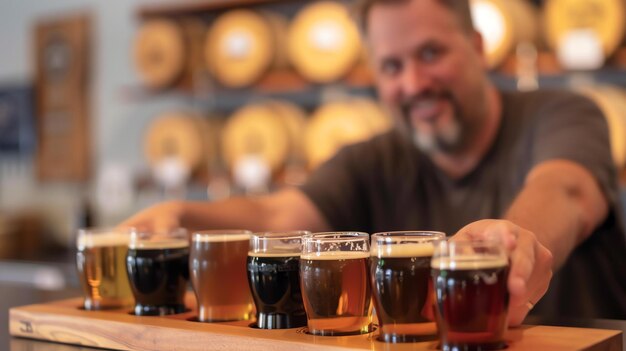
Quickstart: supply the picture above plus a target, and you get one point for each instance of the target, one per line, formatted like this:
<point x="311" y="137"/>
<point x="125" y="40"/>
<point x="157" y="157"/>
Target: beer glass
<point x="158" y="270"/>
<point x="218" y="275"/>
<point x="335" y="283"/>
<point x="401" y="284"/>
<point x="274" y="277"/>
<point x="100" y="260"/>
<point x="470" y="281"/>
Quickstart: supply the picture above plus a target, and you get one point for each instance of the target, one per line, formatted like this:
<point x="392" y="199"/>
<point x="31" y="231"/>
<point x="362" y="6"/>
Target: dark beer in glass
<point x="158" y="270"/>
<point x="218" y="275"/>
<point x="335" y="283"/>
<point x="274" y="277"/>
<point x="401" y="285"/>
<point x="101" y="264"/>
<point x="470" y="281"/>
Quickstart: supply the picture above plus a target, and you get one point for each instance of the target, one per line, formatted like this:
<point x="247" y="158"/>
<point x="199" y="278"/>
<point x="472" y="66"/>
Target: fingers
<point x="531" y="272"/>
<point x="488" y="229"/>
<point x="522" y="260"/>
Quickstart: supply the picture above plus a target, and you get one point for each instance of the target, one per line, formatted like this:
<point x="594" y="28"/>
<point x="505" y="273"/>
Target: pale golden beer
<point x="335" y="283"/>
<point x="101" y="263"/>
<point x="218" y="275"/>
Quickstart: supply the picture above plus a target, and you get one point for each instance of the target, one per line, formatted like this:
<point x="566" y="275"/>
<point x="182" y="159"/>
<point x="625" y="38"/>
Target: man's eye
<point x="390" y="67"/>
<point x="430" y="53"/>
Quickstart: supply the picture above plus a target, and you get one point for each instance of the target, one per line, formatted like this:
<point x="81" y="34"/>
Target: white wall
<point x="118" y="119"/>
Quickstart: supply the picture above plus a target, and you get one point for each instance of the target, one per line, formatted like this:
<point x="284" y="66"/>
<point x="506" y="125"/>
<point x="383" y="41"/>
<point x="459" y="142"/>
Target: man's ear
<point x="479" y="45"/>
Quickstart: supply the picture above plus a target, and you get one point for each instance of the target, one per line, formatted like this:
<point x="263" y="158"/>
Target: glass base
<point x="92" y="304"/>
<point x="280" y="321"/>
<point x="163" y="310"/>
<point x="402" y="338"/>
<point x="489" y="346"/>
<point x="331" y="332"/>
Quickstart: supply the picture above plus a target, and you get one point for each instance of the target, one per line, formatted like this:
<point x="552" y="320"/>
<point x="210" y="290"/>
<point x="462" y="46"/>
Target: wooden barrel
<point x="294" y="119"/>
<point x="243" y="44"/>
<point x="605" y="18"/>
<point x="323" y="42"/>
<point x="159" y="53"/>
<point x="185" y="135"/>
<point x="504" y="24"/>
<point x="612" y="102"/>
<point x="337" y="124"/>
<point x="256" y="130"/>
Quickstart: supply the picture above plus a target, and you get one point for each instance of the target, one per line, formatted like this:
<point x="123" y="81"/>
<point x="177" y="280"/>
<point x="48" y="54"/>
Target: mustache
<point x="407" y="103"/>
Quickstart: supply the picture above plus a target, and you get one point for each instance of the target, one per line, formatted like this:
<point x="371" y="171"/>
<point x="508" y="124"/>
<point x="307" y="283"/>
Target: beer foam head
<point x="102" y="239"/>
<point x="220" y="237"/>
<point x="169" y="243"/>
<point x="287" y="253"/>
<point x="335" y="255"/>
<point x="403" y="250"/>
<point x="470" y="262"/>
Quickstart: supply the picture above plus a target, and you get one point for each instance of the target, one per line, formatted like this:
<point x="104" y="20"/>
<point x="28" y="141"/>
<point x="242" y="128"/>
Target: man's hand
<point x="161" y="217"/>
<point x="531" y="263"/>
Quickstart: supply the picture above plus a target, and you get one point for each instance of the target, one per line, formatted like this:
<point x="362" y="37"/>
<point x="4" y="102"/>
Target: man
<point x="463" y="152"/>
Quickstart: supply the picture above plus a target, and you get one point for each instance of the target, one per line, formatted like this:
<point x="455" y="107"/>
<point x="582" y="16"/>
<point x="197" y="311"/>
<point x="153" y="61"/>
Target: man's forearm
<point x="562" y="204"/>
<point x="234" y="213"/>
<point x="288" y="209"/>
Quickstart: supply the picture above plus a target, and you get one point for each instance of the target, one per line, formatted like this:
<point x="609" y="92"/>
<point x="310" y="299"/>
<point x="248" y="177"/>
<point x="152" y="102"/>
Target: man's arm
<point x="288" y="209"/>
<point x="561" y="203"/>
<point x="559" y="207"/>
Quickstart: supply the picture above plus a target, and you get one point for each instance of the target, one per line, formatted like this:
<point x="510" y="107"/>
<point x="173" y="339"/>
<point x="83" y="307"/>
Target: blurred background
<point x="109" y="106"/>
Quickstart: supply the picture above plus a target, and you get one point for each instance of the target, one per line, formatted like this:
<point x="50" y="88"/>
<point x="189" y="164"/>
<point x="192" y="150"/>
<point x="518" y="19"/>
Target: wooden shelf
<point x="280" y="83"/>
<point x="196" y="7"/>
<point x="287" y="80"/>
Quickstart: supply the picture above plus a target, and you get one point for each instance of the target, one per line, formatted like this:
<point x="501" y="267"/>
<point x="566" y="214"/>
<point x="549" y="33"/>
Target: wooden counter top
<point x="64" y="321"/>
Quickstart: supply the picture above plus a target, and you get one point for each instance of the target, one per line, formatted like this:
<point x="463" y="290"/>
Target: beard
<point x="449" y="138"/>
<point x="446" y="140"/>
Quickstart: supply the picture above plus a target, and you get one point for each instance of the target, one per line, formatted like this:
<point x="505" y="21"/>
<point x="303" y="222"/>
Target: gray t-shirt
<point x="387" y="184"/>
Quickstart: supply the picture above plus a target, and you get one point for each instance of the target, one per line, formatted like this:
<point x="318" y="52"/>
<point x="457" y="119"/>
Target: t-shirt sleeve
<point x="572" y="127"/>
<point x="337" y="190"/>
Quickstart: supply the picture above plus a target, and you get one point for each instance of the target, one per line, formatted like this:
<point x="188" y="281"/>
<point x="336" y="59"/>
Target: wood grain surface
<point x="64" y="321"/>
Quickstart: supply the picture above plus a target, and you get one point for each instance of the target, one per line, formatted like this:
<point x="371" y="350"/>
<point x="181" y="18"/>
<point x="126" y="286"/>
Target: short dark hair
<point x="460" y="8"/>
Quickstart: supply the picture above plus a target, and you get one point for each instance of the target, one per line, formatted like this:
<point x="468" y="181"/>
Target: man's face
<point x="430" y="72"/>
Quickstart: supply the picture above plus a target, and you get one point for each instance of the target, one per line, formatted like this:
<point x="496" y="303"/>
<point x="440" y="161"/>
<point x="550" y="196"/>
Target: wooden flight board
<point x="65" y="322"/>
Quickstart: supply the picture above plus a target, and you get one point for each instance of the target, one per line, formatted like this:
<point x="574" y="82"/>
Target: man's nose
<point x="415" y="79"/>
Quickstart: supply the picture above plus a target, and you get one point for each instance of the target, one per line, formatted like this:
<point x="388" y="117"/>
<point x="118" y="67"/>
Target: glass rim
<point x="486" y="242"/>
<point x="338" y="235"/>
<point x="409" y="234"/>
<point x="145" y="239"/>
<point x="469" y="250"/>
<point x="104" y="230"/>
<point x="222" y="231"/>
<point x="221" y="235"/>
<point x="280" y="234"/>
<point x="141" y="233"/>
<point x="102" y="237"/>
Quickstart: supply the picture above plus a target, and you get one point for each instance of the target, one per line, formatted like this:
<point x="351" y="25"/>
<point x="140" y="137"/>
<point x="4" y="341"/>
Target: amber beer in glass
<point x="274" y="277"/>
<point x="218" y="275"/>
<point x="158" y="270"/>
<point x="401" y="284"/>
<point x="470" y="280"/>
<point x="334" y="275"/>
<point x="101" y="264"/>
